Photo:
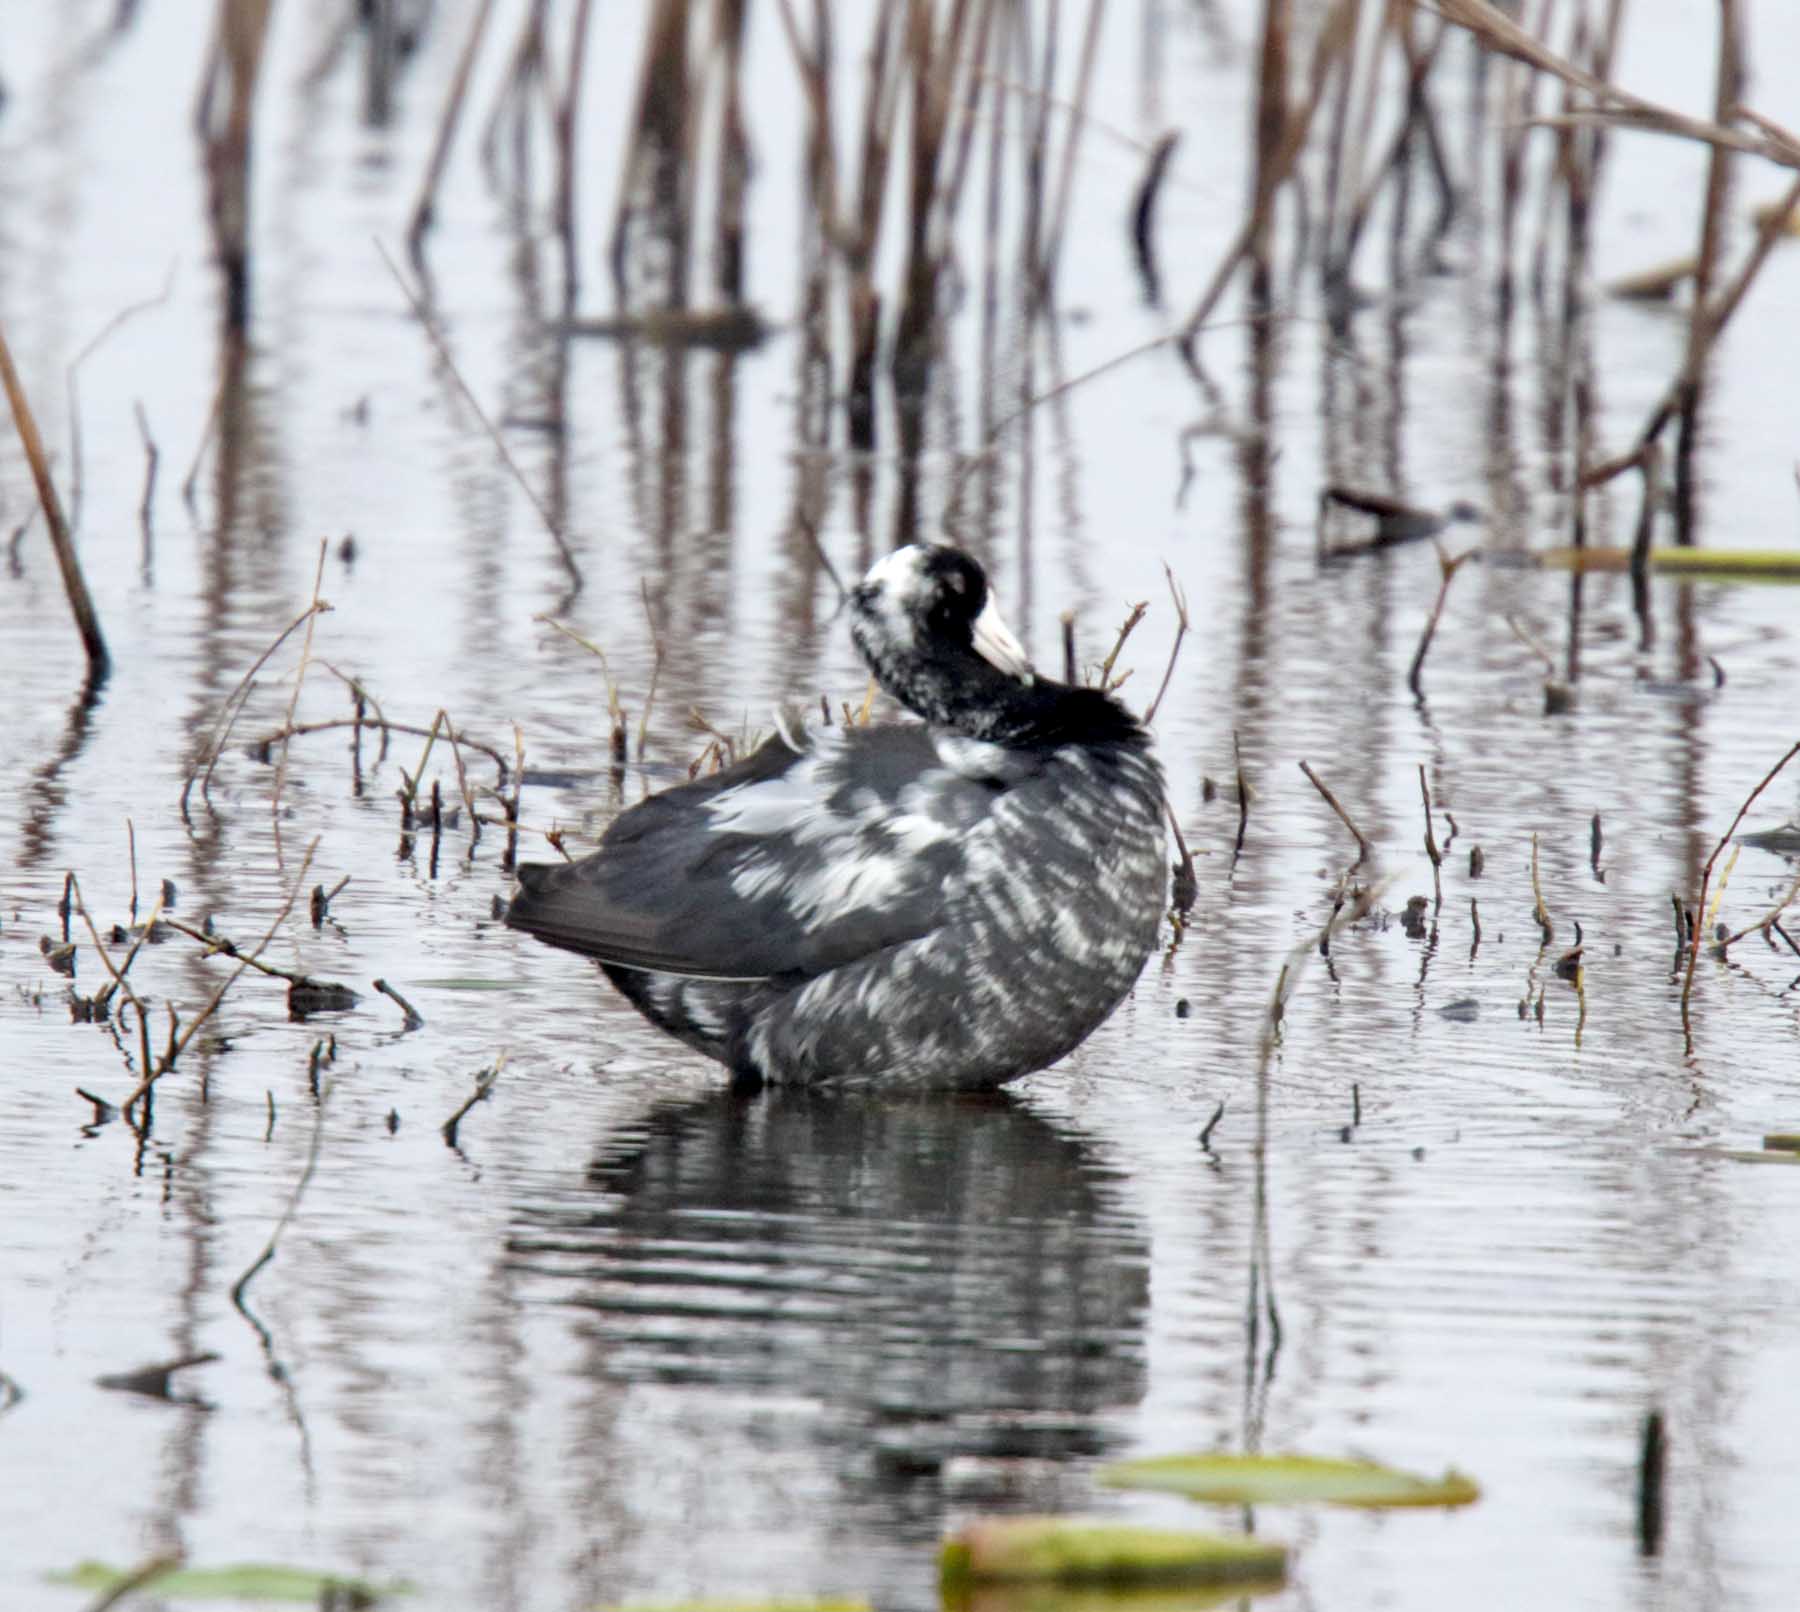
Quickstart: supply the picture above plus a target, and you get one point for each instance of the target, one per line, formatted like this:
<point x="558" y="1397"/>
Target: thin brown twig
<point x="138" y="1578"/>
<point x="1447" y="569"/>
<point x="179" y="1045"/>
<point x="81" y="602"/>
<point x="1181" y="631"/>
<point x="1539" y="911"/>
<point x="233" y="708"/>
<point x="225" y="946"/>
<point x="120" y="982"/>
<point x="317" y="608"/>
<point x="1768" y="919"/>
<point x="435" y="337"/>
<point x="413" y="1019"/>
<point x="1331" y="800"/>
<point x="484" y="1083"/>
<point x="425" y="206"/>
<point x="1431" y="845"/>
<point x="1500" y="33"/>
<point x="1699" y="926"/>
<point x="1126" y="628"/>
<point x="1335" y="35"/>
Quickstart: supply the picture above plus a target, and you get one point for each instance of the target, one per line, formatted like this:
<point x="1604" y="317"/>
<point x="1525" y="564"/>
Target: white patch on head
<point x="995" y="643"/>
<point x="899" y="575"/>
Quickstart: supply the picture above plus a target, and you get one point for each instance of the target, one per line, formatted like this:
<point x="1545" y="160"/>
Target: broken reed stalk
<point x="566" y="121"/>
<point x="1126" y="628"/>
<point x="442" y="348"/>
<point x="1334" y="37"/>
<point x="1539" y="911"/>
<point x="1712" y="228"/>
<point x="225" y="946"/>
<point x="1181" y="632"/>
<point x="412" y="1019"/>
<point x="119" y="981"/>
<point x="1447" y="569"/>
<point x="237" y="49"/>
<point x="1271" y="118"/>
<point x="614" y="707"/>
<point x="425" y="206"/>
<point x="1331" y="800"/>
<point x="81" y="603"/>
<point x="1431" y="845"/>
<point x="1769" y="919"/>
<point x="1044" y="274"/>
<point x="1699" y="926"/>
<point x="484" y="1083"/>
<point x="383" y="727"/>
<point x="140" y="1577"/>
<point x="177" y="1046"/>
<point x="313" y="613"/>
<point x="659" y="140"/>
<point x="1618" y="106"/>
<point x="1419" y="120"/>
<point x="1711" y="324"/>
<point x="233" y="708"/>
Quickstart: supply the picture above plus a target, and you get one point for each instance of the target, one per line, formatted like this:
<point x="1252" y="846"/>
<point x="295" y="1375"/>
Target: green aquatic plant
<point x="1288" y="1480"/>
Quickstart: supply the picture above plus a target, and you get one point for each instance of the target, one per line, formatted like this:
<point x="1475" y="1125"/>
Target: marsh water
<point x="629" y="1338"/>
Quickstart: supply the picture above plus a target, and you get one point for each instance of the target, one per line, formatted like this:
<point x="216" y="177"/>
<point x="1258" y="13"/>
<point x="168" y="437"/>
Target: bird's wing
<point x="791" y="862"/>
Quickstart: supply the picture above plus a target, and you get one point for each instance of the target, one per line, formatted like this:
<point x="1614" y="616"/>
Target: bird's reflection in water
<point x="917" y="1285"/>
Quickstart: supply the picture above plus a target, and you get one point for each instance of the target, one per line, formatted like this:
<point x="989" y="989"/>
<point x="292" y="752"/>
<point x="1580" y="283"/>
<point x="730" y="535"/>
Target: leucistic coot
<point x="941" y="905"/>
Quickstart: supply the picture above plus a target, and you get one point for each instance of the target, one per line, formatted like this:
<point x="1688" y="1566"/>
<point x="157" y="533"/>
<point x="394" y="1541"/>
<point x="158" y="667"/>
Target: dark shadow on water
<point x="914" y="1282"/>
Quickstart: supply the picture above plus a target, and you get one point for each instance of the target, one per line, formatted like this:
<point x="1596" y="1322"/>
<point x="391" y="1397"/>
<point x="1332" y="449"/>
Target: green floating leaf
<point x="1288" y="1479"/>
<point x="1081" y="1550"/>
<point x="1048" y="1597"/>
<point x="827" y="1604"/>
<point x="1751" y="565"/>
<point x="1783" y="1141"/>
<point x="247" y="1581"/>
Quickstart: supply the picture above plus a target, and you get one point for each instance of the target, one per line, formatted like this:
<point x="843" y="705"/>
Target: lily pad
<point x="1783" y="1141"/>
<point x="246" y="1581"/>
<point x="797" y="1604"/>
<point x="1287" y="1480"/>
<point x="1083" y="1550"/>
<point x="1049" y="1597"/>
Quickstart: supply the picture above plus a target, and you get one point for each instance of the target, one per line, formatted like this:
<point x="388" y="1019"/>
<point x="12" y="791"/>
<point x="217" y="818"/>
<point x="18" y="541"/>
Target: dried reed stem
<point x="1699" y="926"/>
<point x="81" y="602"/>
<point x="425" y="207"/>
<point x="178" y="1046"/>
<point x="1331" y="800"/>
<point x="429" y="325"/>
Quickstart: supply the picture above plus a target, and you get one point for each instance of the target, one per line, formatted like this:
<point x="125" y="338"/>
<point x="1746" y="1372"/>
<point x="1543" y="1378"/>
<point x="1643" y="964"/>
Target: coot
<point x="946" y="904"/>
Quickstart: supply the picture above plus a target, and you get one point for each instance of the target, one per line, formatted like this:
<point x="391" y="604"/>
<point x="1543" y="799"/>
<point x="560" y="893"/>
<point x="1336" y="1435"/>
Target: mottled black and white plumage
<point x="946" y="905"/>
